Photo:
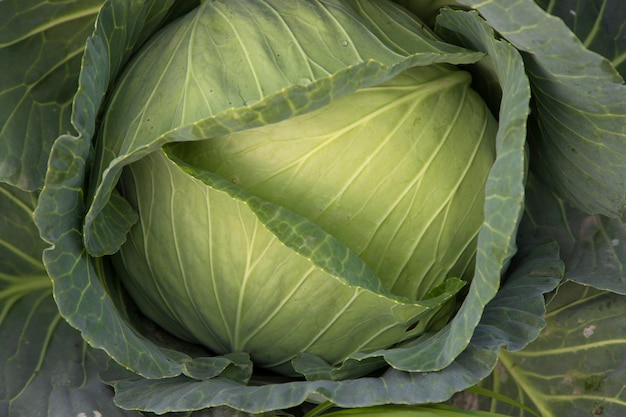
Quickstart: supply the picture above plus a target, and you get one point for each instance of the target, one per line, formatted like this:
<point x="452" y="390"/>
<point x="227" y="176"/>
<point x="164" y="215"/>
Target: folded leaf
<point x="578" y="123"/>
<point x="46" y="368"/>
<point x="279" y="80"/>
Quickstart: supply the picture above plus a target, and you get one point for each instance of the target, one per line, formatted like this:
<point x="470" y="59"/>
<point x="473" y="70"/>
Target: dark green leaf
<point x="41" y="44"/>
<point x="427" y="10"/>
<point x="404" y="411"/>
<point x="395" y="387"/>
<point x="20" y="246"/>
<point x="592" y="246"/>
<point x="598" y="24"/>
<point x="515" y="318"/>
<point x="46" y="368"/>
<point x="578" y="124"/>
<point x="576" y="367"/>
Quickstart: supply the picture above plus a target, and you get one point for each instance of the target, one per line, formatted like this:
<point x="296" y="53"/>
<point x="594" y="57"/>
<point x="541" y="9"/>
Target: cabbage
<point x="374" y="256"/>
<point x="348" y="224"/>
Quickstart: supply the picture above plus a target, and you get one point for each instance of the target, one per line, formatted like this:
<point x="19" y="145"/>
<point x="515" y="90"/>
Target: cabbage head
<point x="332" y="231"/>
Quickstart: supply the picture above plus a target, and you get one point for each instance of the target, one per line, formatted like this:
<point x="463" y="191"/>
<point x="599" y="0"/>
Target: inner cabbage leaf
<point x="395" y="171"/>
<point x="217" y="266"/>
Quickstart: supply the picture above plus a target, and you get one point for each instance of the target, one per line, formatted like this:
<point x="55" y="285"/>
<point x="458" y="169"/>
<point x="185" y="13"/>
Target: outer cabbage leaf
<point x="46" y="368"/>
<point x="40" y="48"/>
<point x="593" y="247"/>
<point x="576" y="367"/>
<point x="421" y="411"/>
<point x="578" y="127"/>
<point x="599" y="25"/>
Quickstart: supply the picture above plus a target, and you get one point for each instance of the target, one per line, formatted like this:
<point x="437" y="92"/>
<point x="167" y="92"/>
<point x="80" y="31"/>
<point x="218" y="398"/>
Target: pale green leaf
<point x="321" y="165"/>
<point x="348" y="308"/>
<point x="279" y="79"/>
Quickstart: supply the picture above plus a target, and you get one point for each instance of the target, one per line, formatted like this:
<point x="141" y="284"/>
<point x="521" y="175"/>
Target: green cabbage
<point x="334" y="232"/>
